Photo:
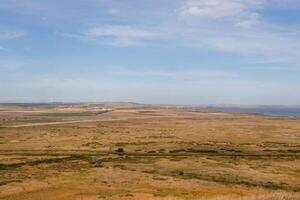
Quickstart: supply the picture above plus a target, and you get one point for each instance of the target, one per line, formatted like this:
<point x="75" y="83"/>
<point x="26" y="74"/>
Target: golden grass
<point x="272" y="196"/>
<point x="168" y="154"/>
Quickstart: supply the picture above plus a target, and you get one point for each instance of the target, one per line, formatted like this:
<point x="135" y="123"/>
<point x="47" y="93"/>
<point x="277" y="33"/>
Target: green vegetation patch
<point x="68" y="114"/>
<point x="41" y="161"/>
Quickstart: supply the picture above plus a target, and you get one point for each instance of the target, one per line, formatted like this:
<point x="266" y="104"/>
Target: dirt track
<point x="47" y="123"/>
<point x="75" y="121"/>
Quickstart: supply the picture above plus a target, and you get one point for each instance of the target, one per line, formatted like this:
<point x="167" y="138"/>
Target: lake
<point x="272" y="111"/>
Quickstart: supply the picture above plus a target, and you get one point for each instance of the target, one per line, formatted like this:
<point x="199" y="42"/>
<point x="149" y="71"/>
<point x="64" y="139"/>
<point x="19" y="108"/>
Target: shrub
<point x="120" y="150"/>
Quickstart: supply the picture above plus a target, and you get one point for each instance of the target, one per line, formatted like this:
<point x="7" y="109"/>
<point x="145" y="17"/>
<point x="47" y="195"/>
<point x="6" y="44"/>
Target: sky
<point x="150" y="51"/>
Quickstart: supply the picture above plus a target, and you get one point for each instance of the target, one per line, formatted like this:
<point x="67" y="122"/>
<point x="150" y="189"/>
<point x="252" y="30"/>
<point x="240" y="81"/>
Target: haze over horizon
<point x="150" y="51"/>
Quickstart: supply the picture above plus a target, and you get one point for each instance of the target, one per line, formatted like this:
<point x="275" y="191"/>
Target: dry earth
<point x="66" y="152"/>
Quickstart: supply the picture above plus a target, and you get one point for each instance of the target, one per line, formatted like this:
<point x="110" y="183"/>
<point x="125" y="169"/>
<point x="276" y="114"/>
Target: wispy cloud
<point x="169" y="74"/>
<point x="13" y="64"/>
<point x="240" y="12"/>
<point x="120" y="31"/>
<point x="5" y="35"/>
<point x="121" y="36"/>
<point x="256" y="42"/>
<point x="230" y="26"/>
<point x="199" y="50"/>
<point x="236" y="26"/>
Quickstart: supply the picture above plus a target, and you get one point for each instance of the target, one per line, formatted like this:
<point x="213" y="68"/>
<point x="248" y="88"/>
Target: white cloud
<point x="122" y="36"/>
<point x="240" y="12"/>
<point x="11" y="64"/>
<point x="212" y="8"/>
<point x="250" y="42"/>
<point x="10" y="35"/>
<point x="168" y="74"/>
<point x="124" y="42"/>
<point x="120" y="31"/>
<point x="251" y="20"/>
<point x="231" y="26"/>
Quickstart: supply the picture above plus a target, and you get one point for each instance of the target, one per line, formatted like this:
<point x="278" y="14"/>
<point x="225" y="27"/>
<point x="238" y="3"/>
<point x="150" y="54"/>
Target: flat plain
<point x="128" y="151"/>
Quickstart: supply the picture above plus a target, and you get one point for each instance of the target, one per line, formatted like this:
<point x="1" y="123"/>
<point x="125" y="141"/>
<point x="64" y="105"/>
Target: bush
<point x="99" y="165"/>
<point x="120" y="150"/>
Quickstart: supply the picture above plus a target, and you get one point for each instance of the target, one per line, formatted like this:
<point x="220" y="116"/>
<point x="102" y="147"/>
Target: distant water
<point x="272" y="111"/>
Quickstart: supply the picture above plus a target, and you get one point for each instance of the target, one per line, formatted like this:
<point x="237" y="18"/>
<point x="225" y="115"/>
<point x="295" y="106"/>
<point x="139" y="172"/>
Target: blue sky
<point x="150" y="51"/>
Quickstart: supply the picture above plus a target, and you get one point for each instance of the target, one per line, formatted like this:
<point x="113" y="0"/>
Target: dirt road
<point x="75" y="121"/>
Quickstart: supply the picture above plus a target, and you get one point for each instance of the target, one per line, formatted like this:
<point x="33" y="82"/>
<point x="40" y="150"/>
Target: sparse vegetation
<point x="68" y="114"/>
<point x="186" y="155"/>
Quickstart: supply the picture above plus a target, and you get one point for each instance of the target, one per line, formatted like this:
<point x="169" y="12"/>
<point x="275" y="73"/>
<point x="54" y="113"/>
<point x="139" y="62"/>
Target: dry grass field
<point x="84" y="152"/>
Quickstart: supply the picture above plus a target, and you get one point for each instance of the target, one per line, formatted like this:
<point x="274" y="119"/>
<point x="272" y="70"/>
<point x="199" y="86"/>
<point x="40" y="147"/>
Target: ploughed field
<point x="136" y="152"/>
